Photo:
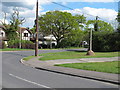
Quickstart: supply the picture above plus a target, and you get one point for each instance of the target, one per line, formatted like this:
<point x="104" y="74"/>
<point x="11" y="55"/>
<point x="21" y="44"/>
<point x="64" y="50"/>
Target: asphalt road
<point x="17" y="75"/>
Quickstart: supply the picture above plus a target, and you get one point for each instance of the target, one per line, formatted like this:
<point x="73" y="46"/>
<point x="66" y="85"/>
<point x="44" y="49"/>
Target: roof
<point x="2" y="27"/>
<point x="23" y="29"/>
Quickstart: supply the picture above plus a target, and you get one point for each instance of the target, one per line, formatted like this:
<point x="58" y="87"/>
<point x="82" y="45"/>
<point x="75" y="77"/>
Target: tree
<point x="118" y="19"/>
<point x="13" y="26"/>
<point x="60" y="24"/>
<point x="102" y="26"/>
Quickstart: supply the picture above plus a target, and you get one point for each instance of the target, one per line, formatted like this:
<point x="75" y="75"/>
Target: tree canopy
<point x="102" y="26"/>
<point x="118" y="19"/>
<point x="60" y="24"/>
<point x="13" y="26"/>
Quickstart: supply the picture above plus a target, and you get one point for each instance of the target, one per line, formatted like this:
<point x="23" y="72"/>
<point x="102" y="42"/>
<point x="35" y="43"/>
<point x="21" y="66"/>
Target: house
<point x="25" y="33"/>
<point x="47" y="41"/>
<point x="3" y="34"/>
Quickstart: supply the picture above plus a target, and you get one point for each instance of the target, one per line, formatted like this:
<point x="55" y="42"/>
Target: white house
<point x="25" y="33"/>
<point x="50" y="39"/>
<point x="3" y="35"/>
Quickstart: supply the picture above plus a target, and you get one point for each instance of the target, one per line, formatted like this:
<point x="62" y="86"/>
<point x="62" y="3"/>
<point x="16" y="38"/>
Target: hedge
<point x="106" y="41"/>
<point x="24" y="44"/>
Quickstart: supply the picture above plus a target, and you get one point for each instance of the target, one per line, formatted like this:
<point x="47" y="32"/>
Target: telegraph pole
<point x="20" y="38"/>
<point x="96" y="24"/>
<point x="36" y="41"/>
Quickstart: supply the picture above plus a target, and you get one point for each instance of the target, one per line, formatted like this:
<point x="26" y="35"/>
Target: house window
<point x="25" y="34"/>
<point x="2" y="34"/>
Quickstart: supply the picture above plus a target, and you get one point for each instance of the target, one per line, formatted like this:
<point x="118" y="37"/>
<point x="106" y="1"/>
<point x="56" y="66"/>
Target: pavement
<point x="49" y="66"/>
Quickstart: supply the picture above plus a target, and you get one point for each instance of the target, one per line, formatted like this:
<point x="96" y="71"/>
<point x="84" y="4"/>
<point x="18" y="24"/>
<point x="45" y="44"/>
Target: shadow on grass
<point x="78" y="50"/>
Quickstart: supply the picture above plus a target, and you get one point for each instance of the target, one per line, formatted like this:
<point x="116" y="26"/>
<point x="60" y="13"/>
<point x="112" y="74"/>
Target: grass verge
<point x="74" y="55"/>
<point x="14" y="49"/>
<point x="28" y="58"/>
<point x="107" y="67"/>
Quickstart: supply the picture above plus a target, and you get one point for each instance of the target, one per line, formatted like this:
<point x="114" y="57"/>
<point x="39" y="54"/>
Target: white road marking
<point x="29" y="81"/>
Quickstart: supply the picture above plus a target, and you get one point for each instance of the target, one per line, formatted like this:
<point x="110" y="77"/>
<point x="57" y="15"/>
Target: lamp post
<point x="36" y="41"/>
<point x="90" y="52"/>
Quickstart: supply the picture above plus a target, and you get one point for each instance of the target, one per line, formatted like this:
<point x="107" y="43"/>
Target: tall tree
<point x="118" y="17"/>
<point x="13" y="26"/>
<point x="102" y="26"/>
<point x="60" y="24"/>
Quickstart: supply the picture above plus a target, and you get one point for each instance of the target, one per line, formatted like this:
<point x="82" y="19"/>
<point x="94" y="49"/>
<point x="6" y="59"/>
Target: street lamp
<point x="90" y="52"/>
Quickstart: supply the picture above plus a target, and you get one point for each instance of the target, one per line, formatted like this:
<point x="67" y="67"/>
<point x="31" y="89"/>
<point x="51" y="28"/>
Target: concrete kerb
<point x="25" y="63"/>
<point x="71" y="74"/>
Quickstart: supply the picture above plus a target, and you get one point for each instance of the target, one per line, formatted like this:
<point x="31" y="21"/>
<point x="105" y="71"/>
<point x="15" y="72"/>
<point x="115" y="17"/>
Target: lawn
<point x="73" y="55"/>
<point x="108" y="67"/>
<point x="14" y="49"/>
<point x="28" y="58"/>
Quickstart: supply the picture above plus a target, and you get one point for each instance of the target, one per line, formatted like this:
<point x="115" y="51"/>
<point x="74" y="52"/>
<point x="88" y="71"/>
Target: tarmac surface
<point x="49" y="66"/>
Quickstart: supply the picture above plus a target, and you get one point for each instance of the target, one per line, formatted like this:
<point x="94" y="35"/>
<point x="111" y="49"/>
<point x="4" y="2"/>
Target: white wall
<point x="1" y="31"/>
<point x="25" y="38"/>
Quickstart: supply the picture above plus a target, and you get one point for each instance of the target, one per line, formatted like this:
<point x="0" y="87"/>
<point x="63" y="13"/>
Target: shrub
<point x="106" y="41"/>
<point x="24" y="44"/>
<point x="2" y="44"/>
<point x="13" y="43"/>
<point x="27" y="44"/>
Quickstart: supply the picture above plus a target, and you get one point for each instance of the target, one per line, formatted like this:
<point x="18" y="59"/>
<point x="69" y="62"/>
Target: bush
<point x="13" y="43"/>
<point x="24" y="44"/>
<point x="106" y="41"/>
<point x="2" y="44"/>
<point x="27" y="44"/>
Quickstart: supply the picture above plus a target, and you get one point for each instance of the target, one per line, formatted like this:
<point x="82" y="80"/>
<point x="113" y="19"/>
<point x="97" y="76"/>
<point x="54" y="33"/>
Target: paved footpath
<point x="49" y="66"/>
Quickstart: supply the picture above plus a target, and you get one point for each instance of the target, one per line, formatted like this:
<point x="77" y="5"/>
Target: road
<point x="17" y="75"/>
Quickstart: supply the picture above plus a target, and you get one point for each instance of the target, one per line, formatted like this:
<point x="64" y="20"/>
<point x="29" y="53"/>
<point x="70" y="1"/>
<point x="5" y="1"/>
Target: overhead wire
<point x="78" y="11"/>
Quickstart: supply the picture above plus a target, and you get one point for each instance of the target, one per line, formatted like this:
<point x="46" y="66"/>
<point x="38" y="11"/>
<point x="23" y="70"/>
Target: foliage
<point x="2" y="45"/>
<point x="27" y="44"/>
<point x="106" y="41"/>
<point x="101" y="25"/>
<point x="13" y="26"/>
<point x="118" y="19"/>
<point x="60" y="24"/>
<point x="33" y="29"/>
<point x="118" y="16"/>
<point x="24" y="44"/>
<point x="73" y="40"/>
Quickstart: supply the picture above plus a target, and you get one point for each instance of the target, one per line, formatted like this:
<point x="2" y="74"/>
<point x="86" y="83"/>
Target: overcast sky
<point x="106" y="9"/>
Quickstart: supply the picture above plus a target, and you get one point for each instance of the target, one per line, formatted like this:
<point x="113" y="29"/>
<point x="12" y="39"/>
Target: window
<point x="25" y="34"/>
<point x="2" y="34"/>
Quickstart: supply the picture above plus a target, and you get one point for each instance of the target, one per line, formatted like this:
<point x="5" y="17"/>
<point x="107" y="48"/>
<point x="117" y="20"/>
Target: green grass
<point x="73" y="55"/>
<point x="14" y="49"/>
<point x="28" y="58"/>
<point x="63" y="48"/>
<point x="108" y="67"/>
<point x="18" y="49"/>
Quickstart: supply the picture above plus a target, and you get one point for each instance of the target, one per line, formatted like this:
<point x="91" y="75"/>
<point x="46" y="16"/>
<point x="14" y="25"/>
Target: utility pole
<point x="96" y="24"/>
<point x="20" y="38"/>
<point x="36" y="42"/>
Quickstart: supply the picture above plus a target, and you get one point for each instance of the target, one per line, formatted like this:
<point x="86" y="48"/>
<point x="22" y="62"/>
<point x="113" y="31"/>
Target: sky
<point x="106" y="9"/>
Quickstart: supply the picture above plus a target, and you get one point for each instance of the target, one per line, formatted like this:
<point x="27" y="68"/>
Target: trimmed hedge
<point x="24" y="44"/>
<point x="106" y="41"/>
